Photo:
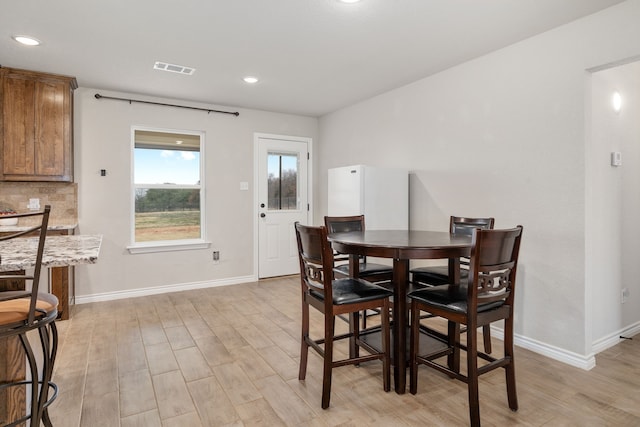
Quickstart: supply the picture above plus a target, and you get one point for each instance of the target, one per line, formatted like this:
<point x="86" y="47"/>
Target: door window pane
<point x="283" y="181"/>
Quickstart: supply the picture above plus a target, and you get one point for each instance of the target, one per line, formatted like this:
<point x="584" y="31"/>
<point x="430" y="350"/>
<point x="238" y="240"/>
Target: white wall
<point x="103" y="141"/>
<point x="503" y="135"/>
<point x="614" y="239"/>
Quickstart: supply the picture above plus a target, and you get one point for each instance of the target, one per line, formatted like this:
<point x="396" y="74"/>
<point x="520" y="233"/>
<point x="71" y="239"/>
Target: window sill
<point x="166" y="246"/>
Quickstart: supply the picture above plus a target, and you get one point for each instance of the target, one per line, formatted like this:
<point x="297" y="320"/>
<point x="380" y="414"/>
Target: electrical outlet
<point x="216" y="257"/>
<point x="34" y="204"/>
<point x="625" y="295"/>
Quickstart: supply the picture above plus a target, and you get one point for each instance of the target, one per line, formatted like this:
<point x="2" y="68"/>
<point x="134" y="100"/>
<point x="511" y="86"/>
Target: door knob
<point x="262" y="205"/>
<point x="262" y="215"/>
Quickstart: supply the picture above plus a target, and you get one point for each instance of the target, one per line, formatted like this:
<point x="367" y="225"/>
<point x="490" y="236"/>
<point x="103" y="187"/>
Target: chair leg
<point x="386" y="347"/>
<point x="329" y="327"/>
<point x="49" y="341"/>
<point x="453" y="334"/>
<point x="33" y="367"/>
<point x="414" y="345"/>
<point x="510" y="370"/>
<point x="486" y="336"/>
<point x="354" y="328"/>
<point x="43" y="332"/>
<point x="304" y="345"/>
<point x="472" y="376"/>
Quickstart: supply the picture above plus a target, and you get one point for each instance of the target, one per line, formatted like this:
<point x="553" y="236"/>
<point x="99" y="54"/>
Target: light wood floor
<point x="229" y="356"/>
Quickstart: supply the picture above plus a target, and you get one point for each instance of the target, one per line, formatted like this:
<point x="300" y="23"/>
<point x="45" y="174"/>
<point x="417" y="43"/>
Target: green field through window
<point x="173" y="225"/>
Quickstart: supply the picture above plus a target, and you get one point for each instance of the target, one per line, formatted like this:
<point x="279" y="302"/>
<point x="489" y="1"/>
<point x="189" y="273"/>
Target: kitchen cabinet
<point x="36" y="134"/>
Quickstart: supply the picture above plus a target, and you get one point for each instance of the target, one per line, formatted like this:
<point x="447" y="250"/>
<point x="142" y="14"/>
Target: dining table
<point x="401" y="246"/>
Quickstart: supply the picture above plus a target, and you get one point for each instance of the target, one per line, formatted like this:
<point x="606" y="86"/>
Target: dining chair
<point x="439" y="274"/>
<point x="28" y="309"/>
<point x="486" y="297"/>
<point x="372" y="272"/>
<point x="369" y="271"/>
<point x="333" y="297"/>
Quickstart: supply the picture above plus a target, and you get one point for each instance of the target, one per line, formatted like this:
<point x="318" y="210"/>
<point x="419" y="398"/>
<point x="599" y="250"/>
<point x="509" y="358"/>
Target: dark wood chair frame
<point x="338" y="224"/>
<point x="316" y="259"/>
<point x="380" y="274"/>
<point x="489" y="298"/>
<point x="37" y="318"/>
<point x="457" y="225"/>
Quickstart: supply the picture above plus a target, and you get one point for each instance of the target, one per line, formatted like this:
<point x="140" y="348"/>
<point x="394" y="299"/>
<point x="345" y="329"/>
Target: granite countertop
<point x="59" y="251"/>
<point x="14" y="228"/>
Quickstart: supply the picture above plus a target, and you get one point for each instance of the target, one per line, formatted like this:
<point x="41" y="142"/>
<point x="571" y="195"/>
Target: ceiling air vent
<point x="173" y="68"/>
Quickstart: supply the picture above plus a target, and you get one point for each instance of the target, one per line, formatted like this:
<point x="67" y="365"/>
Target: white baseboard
<point x="570" y="358"/>
<point x="608" y="341"/>
<point x="110" y="296"/>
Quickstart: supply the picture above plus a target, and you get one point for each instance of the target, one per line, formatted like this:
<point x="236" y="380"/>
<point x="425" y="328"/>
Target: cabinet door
<point x="19" y="124"/>
<point x="52" y="131"/>
<point x="36" y="134"/>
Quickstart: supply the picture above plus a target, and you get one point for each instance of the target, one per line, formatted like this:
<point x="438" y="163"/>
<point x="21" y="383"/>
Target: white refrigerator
<point x="380" y="194"/>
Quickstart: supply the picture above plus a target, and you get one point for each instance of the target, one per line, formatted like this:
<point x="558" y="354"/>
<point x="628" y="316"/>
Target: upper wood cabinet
<point x="36" y="132"/>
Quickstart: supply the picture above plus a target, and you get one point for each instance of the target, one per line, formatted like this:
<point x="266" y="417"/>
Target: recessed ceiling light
<point x="349" y="1"/>
<point x="27" y="40"/>
<point x="250" y="79"/>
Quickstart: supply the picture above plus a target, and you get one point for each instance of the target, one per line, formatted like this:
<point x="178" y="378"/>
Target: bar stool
<point x="27" y="310"/>
<point x="439" y="275"/>
<point x="333" y="297"/>
<point x="379" y="274"/>
<point x="487" y="297"/>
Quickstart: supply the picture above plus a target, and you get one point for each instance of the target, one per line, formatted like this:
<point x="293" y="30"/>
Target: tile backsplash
<point x="63" y="198"/>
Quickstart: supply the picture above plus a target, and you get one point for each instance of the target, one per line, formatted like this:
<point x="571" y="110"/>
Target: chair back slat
<point x="460" y="225"/>
<point x="316" y="259"/>
<point x="493" y="263"/>
<point x="344" y="224"/>
<point x="464" y="226"/>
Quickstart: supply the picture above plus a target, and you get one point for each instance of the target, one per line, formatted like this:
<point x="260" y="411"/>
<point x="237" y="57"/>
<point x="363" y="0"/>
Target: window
<point x="168" y="208"/>
<point x="282" y="170"/>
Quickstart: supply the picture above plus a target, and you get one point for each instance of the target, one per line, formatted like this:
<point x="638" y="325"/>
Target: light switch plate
<point x="616" y="158"/>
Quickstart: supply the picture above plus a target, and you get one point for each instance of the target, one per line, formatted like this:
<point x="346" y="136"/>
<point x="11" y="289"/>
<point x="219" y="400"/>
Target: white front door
<point x="282" y="199"/>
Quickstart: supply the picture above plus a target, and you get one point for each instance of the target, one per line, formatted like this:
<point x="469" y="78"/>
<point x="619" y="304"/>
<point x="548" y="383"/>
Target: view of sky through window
<point x="289" y="163"/>
<point x="153" y="166"/>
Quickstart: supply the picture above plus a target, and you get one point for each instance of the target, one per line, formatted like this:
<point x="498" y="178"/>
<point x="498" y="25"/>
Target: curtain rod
<point x="235" y="113"/>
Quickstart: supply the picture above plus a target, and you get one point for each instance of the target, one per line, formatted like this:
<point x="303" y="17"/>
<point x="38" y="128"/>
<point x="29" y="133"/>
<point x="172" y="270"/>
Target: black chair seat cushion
<point x="436" y="275"/>
<point x="366" y="269"/>
<point x="349" y="291"/>
<point x="449" y="297"/>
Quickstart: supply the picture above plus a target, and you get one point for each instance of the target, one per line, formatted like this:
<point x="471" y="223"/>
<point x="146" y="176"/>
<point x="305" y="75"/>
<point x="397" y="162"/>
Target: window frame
<point x="167" y="245"/>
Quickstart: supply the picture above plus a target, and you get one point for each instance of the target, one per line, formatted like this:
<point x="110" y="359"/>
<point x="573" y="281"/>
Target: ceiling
<point x="312" y="56"/>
